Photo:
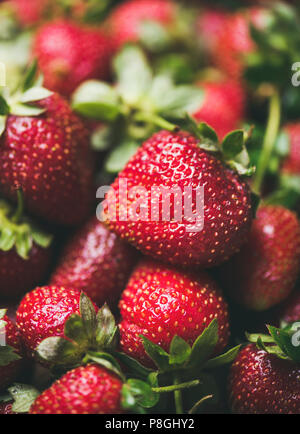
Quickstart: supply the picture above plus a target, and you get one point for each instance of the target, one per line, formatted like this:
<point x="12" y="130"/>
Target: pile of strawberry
<point x="105" y="306"/>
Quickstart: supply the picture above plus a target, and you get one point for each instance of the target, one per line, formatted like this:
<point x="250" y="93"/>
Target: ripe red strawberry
<point x="291" y="165"/>
<point x="235" y="41"/>
<point x="223" y="106"/>
<point x="210" y="25"/>
<point x="43" y="312"/>
<point x="49" y="157"/>
<point x="170" y="159"/>
<point x="126" y="19"/>
<point x="160" y="302"/>
<point x="88" y="389"/>
<point x="9" y="363"/>
<point x="265" y="271"/>
<point x="263" y="383"/>
<point x="25" y="253"/>
<point x="30" y="12"/>
<point x="69" y="54"/>
<point x="96" y="262"/>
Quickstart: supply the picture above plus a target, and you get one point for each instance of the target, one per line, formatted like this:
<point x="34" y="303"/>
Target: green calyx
<point x="22" y="395"/>
<point x="22" y="102"/>
<point x="184" y="366"/>
<point x="89" y="336"/>
<point x="19" y="232"/>
<point x="283" y="342"/>
<point x="231" y="150"/>
<point x="139" y="104"/>
<point x="7" y="353"/>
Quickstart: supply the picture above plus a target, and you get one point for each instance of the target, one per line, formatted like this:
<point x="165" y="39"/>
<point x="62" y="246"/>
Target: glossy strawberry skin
<point x="50" y="159"/>
<point x="160" y="302"/>
<point x="88" y="389"/>
<point x="126" y="19"/>
<point x="69" y="54"/>
<point x="18" y="275"/>
<point x="265" y="271"/>
<point x="97" y="262"/>
<point x="223" y="107"/>
<point x="170" y="159"/>
<point x="291" y="165"/>
<point x="43" y="312"/>
<point x="9" y="372"/>
<point x="210" y="25"/>
<point x="263" y="383"/>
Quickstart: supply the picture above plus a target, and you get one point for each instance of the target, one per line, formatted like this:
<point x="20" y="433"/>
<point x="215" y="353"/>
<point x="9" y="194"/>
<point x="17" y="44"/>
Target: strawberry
<point x="10" y="348"/>
<point x="43" y="313"/>
<point x="209" y="26"/>
<point x="160" y="302"/>
<point x="88" y="389"/>
<point x="25" y="252"/>
<point x="291" y="165"/>
<point x="126" y="20"/>
<point x="265" y="271"/>
<point x="264" y="378"/>
<point x="176" y="158"/>
<point x="96" y="262"/>
<point x="223" y="106"/>
<point x="69" y="53"/>
<point x="30" y="12"/>
<point x="45" y="152"/>
<point x="235" y="41"/>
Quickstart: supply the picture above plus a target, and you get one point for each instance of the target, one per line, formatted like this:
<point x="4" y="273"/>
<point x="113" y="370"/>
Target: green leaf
<point x="223" y="359"/>
<point x="8" y="355"/>
<point x="233" y="144"/>
<point x="101" y="138"/>
<point x="2" y="314"/>
<point x="142" y="393"/>
<point x="178" y="101"/>
<point x="40" y="237"/>
<point x="134" y="76"/>
<point x="30" y="76"/>
<point x="35" y="94"/>
<point x="132" y="365"/>
<point x="97" y="100"/>
<point x="106" y="327"/>
<point x="106" y="360"/>
<point x="204" y="345"/>
<point x="120" y="156"/>
<point x="88" y="315"/>
<point x="156" y="353"/>
<point x="179" y="351"/>
<point x="19" y="109"/>
<point x="74" y="329"/>
<point x="58" y="351"/>
<point x="23" y="396"/>
<point x="207" y="133"/>
<point x="154" y="35"/>
<point x="4" y="107"/>
<point x="23" y="243"/>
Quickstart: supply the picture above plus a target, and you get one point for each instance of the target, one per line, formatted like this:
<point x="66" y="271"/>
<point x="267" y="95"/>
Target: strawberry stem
<point x="175" y="387"/>
<point x="178" y="397"/>
<point x="155" y="120"/>
<point x="20" y="207"/>
<point x="269" y="140"/>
